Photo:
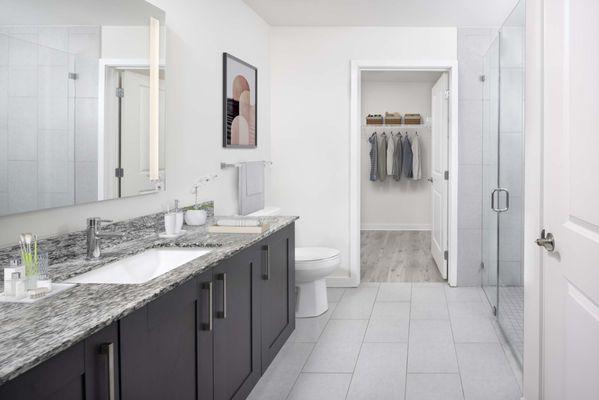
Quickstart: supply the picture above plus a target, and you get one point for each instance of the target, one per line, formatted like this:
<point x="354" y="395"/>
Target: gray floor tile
<point x="394" y="291"/>
<point x="334" y="294"/>
<point x="434" y="387"/>
<point x="309" y="329"/>
<point x="338" y="347"/>
<point x="387" y="330"/>
<point x="282" y="373"/>
<point x="380" y="372"/>
<point x="460" y="294"/>
<point x="356" y="303"/>
<point x="431" y="348"/>
<point x="470" y="309"/>
<point x="485" y="373"/>
<point x="429" y="310"/>
<point x="473" y="330"/>
<point x="320" y="387"/>
<point x="428" y="294"/>
<point x="391" y="310"/>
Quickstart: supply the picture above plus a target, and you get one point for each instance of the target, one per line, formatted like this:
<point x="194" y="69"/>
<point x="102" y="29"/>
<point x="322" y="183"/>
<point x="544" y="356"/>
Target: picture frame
<point x="240" y="103"/>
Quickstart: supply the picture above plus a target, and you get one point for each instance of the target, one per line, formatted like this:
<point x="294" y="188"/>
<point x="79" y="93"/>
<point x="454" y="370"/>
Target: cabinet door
<point x="277" y="292"/>
<point x="60" y="378"/>
<point x="102" y="364"/>
<point x="236" y="325"/>
<point x="158" y="347"/>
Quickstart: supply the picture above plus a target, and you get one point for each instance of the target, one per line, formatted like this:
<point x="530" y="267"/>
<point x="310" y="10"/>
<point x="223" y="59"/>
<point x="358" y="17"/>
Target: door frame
<point x="357" y="66"/>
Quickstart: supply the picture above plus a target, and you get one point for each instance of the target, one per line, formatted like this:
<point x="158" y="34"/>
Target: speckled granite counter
<point x="33" y="333"/>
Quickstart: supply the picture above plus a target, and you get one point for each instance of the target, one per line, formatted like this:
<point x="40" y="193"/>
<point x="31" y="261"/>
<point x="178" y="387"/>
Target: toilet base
<point x="311" y="299"/>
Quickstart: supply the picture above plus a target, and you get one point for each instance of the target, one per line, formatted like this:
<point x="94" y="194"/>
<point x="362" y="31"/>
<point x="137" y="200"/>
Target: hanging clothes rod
<point x="224" y="165"/>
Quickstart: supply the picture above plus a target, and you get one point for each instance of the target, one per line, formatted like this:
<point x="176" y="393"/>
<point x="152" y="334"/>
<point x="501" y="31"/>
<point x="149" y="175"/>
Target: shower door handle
<point x="507" y="200"/>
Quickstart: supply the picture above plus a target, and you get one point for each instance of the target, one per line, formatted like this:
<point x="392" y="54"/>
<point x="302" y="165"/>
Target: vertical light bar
<point x="154" y="99"/>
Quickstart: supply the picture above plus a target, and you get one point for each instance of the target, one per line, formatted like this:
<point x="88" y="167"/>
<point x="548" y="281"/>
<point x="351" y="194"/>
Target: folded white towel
<point x="237" y="222"/>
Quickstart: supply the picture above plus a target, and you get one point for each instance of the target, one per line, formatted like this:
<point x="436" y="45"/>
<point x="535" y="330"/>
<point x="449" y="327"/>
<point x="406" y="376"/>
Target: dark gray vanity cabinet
<point x="277" y="293"/>
<point x="85" y="371"/>
<point x="158" y="347"/>
<point x="236" y="333"/>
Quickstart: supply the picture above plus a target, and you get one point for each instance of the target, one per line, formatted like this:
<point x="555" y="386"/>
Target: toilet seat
<point x="306" y="256"/>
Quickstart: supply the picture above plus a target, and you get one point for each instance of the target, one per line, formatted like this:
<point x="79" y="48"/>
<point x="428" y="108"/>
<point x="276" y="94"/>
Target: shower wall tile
<point x="53" y="145"/>
<point x="469" y="257"/>
<point x="3" y="160"/>
<point x="53" y="176"/>
<point x="56" y="38"/>
<point x="52" y="200"/>
<point x="3" y="49"/>
<point x="469" y="208"/>
<point x="470" y="129"/>
<point x="3" y="203"/>
<point x="53" y="81"/>
<point x="86" y="182"/>
<point x="86" y="130"/>
<point x="87" y="80"/>
<point x="22" y="81"/>
<point x="53" y="113"/>
<point x="22" y="49"/>
<point x="22" y="186"/>
<point x="22" y="140"/>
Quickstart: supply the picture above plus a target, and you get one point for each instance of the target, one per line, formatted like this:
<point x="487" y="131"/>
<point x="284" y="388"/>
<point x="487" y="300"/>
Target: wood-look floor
<point x="397" y="256"/>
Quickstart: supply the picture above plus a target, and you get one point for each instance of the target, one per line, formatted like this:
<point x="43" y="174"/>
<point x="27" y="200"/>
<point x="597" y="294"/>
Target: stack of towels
<point x="394" y="155"/>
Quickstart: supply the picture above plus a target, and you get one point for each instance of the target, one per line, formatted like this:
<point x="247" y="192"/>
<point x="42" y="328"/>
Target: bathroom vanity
<point x="205" y="330"/>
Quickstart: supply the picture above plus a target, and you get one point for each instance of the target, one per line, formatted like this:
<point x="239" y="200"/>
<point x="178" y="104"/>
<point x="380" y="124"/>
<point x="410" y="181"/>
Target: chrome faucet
<point x="94" y="234"/>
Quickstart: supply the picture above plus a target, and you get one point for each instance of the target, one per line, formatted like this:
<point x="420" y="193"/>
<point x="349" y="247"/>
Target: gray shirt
<point x="382" y="157"/>
<point x="407" y="156"/>
<point x="397" y="157"/>
<point x="374" y="157"/>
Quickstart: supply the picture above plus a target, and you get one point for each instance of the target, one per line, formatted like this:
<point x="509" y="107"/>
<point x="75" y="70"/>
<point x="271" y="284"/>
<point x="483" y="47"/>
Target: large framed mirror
<point x="82" y="102"/>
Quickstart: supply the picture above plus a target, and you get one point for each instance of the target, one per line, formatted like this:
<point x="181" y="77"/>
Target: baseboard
<point x="342" y="279"/>
<point x="395" y="227"/>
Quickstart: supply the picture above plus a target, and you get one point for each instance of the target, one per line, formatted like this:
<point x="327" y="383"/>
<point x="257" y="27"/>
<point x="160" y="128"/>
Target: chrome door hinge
<point x="446" y="175"/>
<point x="447" y="93"/>
<point x="73" y="75"/>
<point x="482" y="265"/>
<point x="482" y="78"/>
<point x="120" y="93"/>
<point x="119" y="172"/>
<point x="494" y="311"/>
<point x="446" y="255"/>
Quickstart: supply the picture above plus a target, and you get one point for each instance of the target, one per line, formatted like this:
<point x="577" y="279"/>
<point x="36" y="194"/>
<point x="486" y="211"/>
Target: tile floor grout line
<point x="362" y="344"/>
<point x="455" y="350"/>
<point x="301" y="371"/>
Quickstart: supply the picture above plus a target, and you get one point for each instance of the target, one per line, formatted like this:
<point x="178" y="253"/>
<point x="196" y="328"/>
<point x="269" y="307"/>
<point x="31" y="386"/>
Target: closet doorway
<point x="403" y="161"/>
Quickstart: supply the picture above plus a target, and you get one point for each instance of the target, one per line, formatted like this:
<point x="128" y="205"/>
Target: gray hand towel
<point x="251" y="187"/>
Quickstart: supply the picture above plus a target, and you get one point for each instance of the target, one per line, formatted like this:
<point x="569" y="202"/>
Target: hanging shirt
<point x="416" y="159"/>
<point x="383" y="157"/>
<point x="407" y="156"/>
<point x="390" y="151"/>
<point x="397" y="157"/>
<point x="374" y="157"/>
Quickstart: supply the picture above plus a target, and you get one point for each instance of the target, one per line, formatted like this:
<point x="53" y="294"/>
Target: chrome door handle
<point x="266" y="274"/>
<point x="223" y="314"/>
<point x="507" y="200"/>
<point x="207" y="326"/>
<point x="107" y="349"/>
<point x="546" y="240"/>
<point x="430" y="180"/>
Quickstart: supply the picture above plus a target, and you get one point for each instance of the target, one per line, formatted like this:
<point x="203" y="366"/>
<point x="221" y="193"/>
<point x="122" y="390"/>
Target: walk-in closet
<point x="403" y="196"/>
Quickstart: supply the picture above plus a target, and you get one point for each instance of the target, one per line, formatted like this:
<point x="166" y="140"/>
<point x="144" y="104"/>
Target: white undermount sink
<point x="141" y="267"/>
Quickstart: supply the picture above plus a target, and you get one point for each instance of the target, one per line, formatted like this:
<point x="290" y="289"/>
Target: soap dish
<point x="56" y="288"/>
<point x="165" y="235"/>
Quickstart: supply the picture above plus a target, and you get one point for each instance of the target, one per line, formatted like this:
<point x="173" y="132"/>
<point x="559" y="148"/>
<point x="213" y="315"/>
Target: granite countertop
<point x="33" y="333"/>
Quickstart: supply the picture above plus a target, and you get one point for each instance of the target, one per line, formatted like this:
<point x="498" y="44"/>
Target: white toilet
<point x="312" y="266"/>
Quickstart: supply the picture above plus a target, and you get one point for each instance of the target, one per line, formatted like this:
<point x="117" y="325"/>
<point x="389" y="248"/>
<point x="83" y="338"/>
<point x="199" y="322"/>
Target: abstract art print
<point x="240" y="87"/>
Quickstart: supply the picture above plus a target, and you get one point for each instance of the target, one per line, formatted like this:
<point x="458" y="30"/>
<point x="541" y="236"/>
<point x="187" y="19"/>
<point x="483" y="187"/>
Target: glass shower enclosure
<point x="503" y="177"/>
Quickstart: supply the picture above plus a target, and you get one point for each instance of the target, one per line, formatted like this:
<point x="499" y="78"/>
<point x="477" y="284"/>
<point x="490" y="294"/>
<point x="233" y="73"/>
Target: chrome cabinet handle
<point x="507" y="200"/>
<point x="223" y="314"/>
<point x="547" y="241"/>
<point x="266" y="274"/>
<point x="107" y="349"/>
<point x="207" y="326"/>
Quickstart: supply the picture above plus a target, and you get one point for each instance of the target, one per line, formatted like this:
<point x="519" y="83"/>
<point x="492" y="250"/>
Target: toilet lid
<point x="315" y="253"/>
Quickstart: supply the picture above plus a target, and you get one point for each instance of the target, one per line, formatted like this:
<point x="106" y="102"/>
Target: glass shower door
<point x="490" y="173"/>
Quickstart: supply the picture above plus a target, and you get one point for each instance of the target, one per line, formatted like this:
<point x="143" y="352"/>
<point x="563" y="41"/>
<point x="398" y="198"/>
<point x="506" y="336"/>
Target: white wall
<point x="310" y="115"/>
<point x="390" y="204"/>
<point x="198" y="32"/>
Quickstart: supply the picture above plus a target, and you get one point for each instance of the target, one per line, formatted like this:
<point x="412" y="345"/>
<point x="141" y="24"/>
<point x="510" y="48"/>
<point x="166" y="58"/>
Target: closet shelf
<point x="397" y="126"/>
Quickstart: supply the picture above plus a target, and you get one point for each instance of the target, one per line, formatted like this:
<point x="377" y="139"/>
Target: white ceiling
<point x="401" y="76"/>
<point x="488" y="13"/>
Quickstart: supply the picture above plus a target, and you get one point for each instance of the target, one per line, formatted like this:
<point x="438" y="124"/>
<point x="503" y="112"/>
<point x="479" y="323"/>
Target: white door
<point x="135" y="126"/>
<point x="439" y="129"/>
<point x="571" y="200"/>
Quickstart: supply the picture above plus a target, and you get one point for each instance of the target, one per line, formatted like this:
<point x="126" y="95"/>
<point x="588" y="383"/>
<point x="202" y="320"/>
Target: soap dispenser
<point x="179" y="217"/>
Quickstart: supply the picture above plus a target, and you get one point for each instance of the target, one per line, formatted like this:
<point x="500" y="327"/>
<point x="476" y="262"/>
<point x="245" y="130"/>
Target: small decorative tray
<point x="56" y="288"/>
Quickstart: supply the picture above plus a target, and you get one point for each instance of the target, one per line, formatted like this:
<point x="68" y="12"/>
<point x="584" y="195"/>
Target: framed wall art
<point x="240" y="103"/>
